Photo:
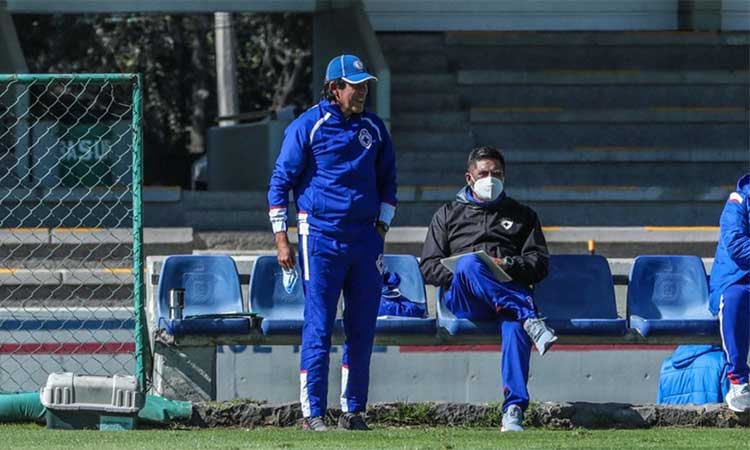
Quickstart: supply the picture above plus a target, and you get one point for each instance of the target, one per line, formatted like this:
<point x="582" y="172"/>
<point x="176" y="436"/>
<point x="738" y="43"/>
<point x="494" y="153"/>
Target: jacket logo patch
<point x="365" y="138"/>
<point x="380" y="264"/>
<point x="506" y="223"/>
<point x="735" y="198"/>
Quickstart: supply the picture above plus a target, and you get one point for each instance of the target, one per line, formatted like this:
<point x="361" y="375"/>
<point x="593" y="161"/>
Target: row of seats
<point x="667" y="295"/>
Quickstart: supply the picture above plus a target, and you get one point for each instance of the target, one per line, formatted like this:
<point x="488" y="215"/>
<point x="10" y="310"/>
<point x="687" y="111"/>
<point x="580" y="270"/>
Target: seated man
<point x="730" y="292"/>
<point x="483" y="218"/>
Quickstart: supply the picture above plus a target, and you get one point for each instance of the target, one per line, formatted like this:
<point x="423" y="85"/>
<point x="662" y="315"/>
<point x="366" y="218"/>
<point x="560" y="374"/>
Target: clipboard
<point x="451" y="261"/>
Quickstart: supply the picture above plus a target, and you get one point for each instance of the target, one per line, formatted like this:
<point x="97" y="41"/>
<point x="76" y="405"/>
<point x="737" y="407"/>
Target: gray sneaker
<point x="541" y="335"/>
<point x="512" y="419"/>
<point x="314" y="424"/>
<point x="738" y="397"/>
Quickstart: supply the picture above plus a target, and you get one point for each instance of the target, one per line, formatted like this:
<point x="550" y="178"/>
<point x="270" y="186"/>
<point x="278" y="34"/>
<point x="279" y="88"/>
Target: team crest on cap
<point x="735" y="198"/>
<point x="358" y="65"/>
<point x="365" y="138"/>
<point x="506" y="223"/>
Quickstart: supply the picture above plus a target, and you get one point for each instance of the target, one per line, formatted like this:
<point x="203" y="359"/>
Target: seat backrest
<point x="269" y="298"/>
<point x="267" y="294"/>
<point x="577" y="286"/>
<point x="412" y="283"/>
<point x="211" y="284"/>
<point x="668" y="287"/>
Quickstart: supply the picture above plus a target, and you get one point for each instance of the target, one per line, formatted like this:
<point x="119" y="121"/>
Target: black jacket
<point x="501" y="228"/>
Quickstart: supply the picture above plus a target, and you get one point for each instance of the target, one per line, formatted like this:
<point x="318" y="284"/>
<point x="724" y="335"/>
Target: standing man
<point x="482" y="217"/>
<point x="338" y="161"/>
<point x="730" y="292"/>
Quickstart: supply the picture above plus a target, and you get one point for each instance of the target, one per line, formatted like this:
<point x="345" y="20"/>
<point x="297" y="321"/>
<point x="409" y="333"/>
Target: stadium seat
<point x="411" y="287"/>
<point x="212" y="295"/>
<point x="283" y="313"/>
<point x="578" y="296"/>
<point x="668" y="295"/>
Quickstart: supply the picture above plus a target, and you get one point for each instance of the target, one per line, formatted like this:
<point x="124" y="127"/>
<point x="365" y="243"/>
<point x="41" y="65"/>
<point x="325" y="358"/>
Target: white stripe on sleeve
<point x="387" y="211"/>
<point x="278" y="219"/>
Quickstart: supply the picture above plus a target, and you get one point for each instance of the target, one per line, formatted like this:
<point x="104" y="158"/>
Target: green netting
<point x="70" y="227"/>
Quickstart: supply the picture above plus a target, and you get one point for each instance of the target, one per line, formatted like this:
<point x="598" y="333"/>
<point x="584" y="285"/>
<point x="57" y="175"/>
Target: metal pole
<point x="226" y="73"/>
<point x="141" y="342"/>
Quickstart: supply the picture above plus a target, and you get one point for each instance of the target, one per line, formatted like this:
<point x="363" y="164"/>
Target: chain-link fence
<point x="70" y="230"/>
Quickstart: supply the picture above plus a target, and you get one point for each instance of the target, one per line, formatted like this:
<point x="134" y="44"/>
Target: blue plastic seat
<point x="578" y="296"/>
<point x="668" y="295"/>
<point x="283" y="313"/>
<point x="411" y="287"/>
<point x="212" y="290"/>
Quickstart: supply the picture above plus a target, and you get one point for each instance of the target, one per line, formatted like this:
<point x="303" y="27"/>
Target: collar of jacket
<point x="326" y="106"/>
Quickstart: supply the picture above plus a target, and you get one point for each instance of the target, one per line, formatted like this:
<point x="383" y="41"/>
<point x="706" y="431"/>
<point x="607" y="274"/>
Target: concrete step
<point x="408" y="194"/>
<point x="611" y="242"/>
<point x="410" y="42"/>
<point x="423" y="61"/>
<point x="675" y="76"/>
<point x="420" y="102"/>
<point x="243" y="218"/>
<point x="408" y="159"/>
<point x="566" y="57"/>
<point x="593" y="213"/>
<point x="594" y="38"/>
<point x="653" y="115"/>
<point x="606" y="96"/>
<point x="437" y="121"/>
<point x="91" y="245"/>
<point x="410" y="83"/>
<point x="530" y="174"/>
<point x="566" y="135"/>
<point x="450" y="140"/>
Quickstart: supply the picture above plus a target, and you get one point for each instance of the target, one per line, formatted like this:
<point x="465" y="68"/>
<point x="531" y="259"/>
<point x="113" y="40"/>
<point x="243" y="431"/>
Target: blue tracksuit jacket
<point x="730" y="285"/>
<point x="342" y="172"/>
<point x="732" y="260"/>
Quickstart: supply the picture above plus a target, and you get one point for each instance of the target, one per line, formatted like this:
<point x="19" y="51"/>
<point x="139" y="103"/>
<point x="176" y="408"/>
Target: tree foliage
<point x="175" y="55"/>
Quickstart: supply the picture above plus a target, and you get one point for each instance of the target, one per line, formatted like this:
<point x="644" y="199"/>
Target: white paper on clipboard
<point x="451" y="261"/>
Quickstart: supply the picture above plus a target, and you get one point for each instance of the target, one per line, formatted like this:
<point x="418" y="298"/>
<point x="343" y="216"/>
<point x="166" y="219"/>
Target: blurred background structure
<point x="624" y="112"/>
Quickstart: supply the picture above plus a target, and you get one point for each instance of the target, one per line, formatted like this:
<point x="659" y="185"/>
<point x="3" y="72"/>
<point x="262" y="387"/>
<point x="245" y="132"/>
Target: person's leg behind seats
<point x="516" y="353"/>
<point x="361" y="301"/>
<point x="734" y="320"/>
<point x="322" y="271"/>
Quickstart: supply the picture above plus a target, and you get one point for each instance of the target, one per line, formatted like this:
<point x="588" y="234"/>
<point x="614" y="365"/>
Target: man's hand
<point x="381" y="232"/>
<point x="382" y="229"/>
<point x="284" y="250"/>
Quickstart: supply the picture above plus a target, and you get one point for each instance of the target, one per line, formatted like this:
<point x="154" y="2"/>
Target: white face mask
<point x="487" y="189"/>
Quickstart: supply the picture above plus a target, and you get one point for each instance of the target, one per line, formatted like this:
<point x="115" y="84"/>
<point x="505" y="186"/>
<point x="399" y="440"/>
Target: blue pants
<point x="328" y="267"/>
<point x="734" y="317"/>
<point x="477" y="295"/>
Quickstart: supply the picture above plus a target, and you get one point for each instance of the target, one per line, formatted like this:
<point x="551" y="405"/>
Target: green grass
<point x="33" y="437"/>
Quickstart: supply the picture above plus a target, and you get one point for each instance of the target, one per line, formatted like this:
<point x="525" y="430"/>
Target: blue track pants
<point x="330" y="267"/>
<point x="734" y="317"/>
<point x="477" y="295"/>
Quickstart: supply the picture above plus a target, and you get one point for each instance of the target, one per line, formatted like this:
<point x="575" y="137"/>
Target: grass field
<point x="33" y="437"/>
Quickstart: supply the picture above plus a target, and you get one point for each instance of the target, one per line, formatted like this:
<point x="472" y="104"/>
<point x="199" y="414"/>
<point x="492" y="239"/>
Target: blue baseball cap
<point x="349" y="68"/>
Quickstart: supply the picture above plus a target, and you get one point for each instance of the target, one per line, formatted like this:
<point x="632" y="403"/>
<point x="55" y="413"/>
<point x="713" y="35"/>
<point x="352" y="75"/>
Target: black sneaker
<point x="352" y="421"/>
<point x="314" y="424"/>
